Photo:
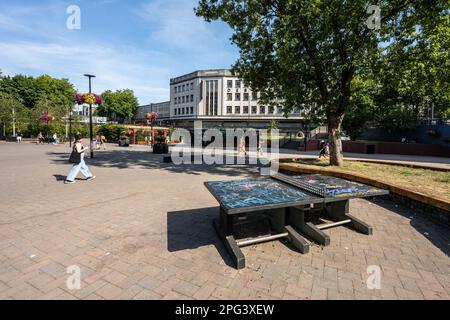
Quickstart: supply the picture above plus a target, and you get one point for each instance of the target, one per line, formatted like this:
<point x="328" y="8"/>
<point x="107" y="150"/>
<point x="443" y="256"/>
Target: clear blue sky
<point x="138" y="44"/>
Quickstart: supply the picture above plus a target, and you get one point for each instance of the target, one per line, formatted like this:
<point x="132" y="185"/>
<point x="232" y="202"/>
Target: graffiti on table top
<point x="336" y="187"/>
<point x="247" y="193"/>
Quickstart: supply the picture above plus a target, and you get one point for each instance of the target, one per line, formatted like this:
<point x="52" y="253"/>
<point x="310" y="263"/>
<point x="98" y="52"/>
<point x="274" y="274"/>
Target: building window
<point x="271" y="109"/>
<point x="182" y="99"/>
<point x="237" y="97"/>
<point x="237" y="109"/>
<point x="229" y="97"/>
<point x="245" y="109"/>
<point x="254" y="96"/>
<point x="192" y="86"/>
<point x="175" y="111"/>
<point x="192" y="98"/>
<point x="212" y="97"/>
<point x="246" y="96"/>
<point x="192" y="110"/>
<point x="280" y="109"/>
<point x="229" y="110"/>
<point x="254" y="110"/>
<point x="229" y="84"/>
<point x="175" y="102"/>
<point x="184" y="88"/>
<point x="176" y="89"/>
<point x="262" y="109"/>
<point x="238" y="83"/>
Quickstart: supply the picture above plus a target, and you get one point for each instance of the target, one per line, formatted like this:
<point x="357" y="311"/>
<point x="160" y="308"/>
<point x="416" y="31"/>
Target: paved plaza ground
<point x="143" y="230"/>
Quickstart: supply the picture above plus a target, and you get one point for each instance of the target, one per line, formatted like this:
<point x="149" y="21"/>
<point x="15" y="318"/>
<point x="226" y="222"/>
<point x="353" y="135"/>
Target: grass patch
<point x="429" y="182"/>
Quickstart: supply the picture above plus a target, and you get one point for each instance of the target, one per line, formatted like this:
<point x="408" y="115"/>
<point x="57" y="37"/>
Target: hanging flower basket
<point x="47" y="117"/>
<point x="89" y="98"/>
<point x="152" y="117"/>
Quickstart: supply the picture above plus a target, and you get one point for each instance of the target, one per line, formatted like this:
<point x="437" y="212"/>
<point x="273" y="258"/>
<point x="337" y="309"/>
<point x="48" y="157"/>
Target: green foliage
<point x="273" y="125"/>
<point x="112" y="132"/>
<point x="308" y="53"/>
<point x="29" y="91"/>
<point x="118" y="105"/>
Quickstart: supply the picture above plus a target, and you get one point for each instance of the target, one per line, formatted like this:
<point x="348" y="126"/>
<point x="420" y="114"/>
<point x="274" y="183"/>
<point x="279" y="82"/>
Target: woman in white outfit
<point x="81" y="166"/>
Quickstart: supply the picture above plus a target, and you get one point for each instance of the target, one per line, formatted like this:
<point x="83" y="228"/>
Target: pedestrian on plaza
<point x="19" y="137"/>
<point x="258" y="143"/>
<point x="242" y="146"/>
<point x="77" y="158"/>
<point x="322" y="148"/>
<point x="40" y="138"/>
<point x="97" y="142"/>
<point x="55" y="139"/>
<point x="103" y="142"/>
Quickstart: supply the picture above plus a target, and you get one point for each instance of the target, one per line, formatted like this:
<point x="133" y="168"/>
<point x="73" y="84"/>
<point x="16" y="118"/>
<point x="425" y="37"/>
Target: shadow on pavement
<point x="192" y="229"/>
<point x="136" y="159"/>
<point x="437" y="233"/>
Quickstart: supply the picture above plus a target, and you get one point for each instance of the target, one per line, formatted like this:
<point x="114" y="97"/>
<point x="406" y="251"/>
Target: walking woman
<point x="77" y="158"/>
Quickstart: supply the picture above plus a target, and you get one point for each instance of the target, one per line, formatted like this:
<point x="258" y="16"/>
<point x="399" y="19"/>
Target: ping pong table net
<point x="304" y="185"/>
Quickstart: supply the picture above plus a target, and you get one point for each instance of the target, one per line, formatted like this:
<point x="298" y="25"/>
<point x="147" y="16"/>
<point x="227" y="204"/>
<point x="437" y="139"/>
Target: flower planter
<point x="124" y="143"/>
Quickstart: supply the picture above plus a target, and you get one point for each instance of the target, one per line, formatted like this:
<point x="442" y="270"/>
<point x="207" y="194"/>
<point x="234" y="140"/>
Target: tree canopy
<point x="309" y="52"/>
<point x="118" y="105"/>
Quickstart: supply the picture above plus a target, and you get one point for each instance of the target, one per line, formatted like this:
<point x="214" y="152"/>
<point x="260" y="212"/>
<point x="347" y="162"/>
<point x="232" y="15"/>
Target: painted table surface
<point x="333" y="187"/>
<point x="252" y="194"/>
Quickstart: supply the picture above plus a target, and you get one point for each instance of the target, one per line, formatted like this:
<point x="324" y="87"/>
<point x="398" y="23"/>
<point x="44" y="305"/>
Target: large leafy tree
<point x="118" y="105"/>
<point x="308" y="52"/>
<point x="30" y="91"/>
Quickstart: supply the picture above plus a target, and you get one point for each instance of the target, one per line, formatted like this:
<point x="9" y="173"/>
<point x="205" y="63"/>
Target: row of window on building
<point x="184" y="99"/>
<point x="184" y="87"/>
<point x="183" y="111"/>
<point x="254" y="110"/>
<point x="237" y="97"/>
<point x="237" y="84"/>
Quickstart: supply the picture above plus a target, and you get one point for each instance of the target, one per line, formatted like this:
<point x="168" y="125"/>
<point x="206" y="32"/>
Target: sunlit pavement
<point x="143" y="230"/>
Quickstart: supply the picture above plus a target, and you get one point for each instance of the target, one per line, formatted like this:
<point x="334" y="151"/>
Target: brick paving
<point x="143" y="230"/>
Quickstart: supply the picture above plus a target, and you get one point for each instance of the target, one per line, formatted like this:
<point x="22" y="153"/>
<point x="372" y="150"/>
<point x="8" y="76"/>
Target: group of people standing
<point x="100" y="141"/>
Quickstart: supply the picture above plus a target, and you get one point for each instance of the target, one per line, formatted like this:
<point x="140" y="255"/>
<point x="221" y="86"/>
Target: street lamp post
<point x="70" y="129"/>
<point x="91" y="131"/>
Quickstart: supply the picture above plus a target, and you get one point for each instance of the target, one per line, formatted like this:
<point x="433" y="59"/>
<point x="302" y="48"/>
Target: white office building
<point x="220" y="98"/>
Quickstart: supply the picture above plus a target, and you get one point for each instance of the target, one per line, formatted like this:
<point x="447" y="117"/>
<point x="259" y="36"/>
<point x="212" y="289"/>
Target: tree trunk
<point x="334" y="133"/>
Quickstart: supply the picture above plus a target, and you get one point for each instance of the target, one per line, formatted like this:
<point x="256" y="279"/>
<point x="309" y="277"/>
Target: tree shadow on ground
<point x="436" y="232"/>
<point x="138" y="159"/>
<point x="192" y="229"/>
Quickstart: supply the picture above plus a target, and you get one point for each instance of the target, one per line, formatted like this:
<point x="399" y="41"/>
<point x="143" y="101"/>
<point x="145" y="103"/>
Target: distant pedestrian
<point x="40" y="138"/>
<point x="77" y="158"/>
<point x="258" y="143"/>
<point x="19" y="137"/>
<point x="55" y="139"/>
<point x="103" y="142"/>
<point x="242" y="146"/>
<point x="97" y="142"/>
<point x="324" y="149"/>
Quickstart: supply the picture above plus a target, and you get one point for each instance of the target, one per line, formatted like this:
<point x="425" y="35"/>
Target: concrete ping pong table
<point x="291" y="201"/>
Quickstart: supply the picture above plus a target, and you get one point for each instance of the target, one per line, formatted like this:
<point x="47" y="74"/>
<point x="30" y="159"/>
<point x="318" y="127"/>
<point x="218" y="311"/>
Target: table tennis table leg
<point x="281" y="224"/>
<point x="339" y="211"/>
<point x="224" y="228"/>
<point x="298" y="220"/>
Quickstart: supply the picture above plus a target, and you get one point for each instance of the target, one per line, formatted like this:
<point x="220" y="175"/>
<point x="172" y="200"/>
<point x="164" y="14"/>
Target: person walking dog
<point x="77" y="158"/>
